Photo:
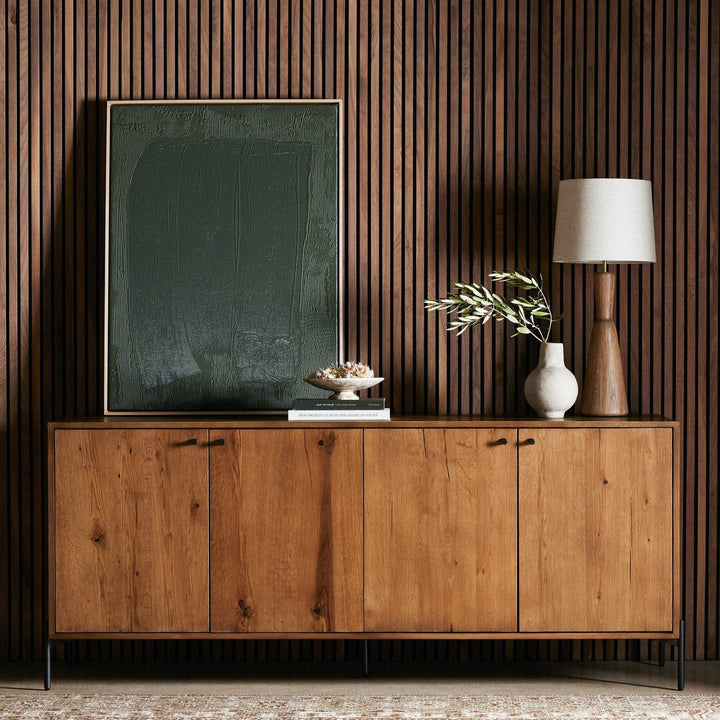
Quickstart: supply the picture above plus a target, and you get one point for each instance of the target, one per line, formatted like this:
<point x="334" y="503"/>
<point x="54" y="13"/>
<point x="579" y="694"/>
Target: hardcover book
<point x="326" y="404"/>
<point x="324" y="415"/>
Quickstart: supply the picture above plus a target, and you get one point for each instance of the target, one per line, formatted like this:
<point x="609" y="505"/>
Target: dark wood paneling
<point x="460" y="119"/>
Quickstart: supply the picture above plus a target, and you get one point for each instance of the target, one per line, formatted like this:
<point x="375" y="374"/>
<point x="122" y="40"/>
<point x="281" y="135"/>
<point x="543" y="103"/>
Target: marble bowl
<point x="343" y="388"/>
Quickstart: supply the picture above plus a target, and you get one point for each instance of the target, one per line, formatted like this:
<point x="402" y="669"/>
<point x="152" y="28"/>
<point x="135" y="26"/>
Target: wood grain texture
<point x="286" y="537"/>
<point x="279" y="427"/>
<point x="440" y="530"/>
<point x="596" y="532"/>
<point x="131" y="531"/>
<point x="512" y="96"/>
<point x="604" y="387"/>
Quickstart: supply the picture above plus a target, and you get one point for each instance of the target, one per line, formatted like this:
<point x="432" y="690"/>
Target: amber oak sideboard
<point x="422" y="527"/>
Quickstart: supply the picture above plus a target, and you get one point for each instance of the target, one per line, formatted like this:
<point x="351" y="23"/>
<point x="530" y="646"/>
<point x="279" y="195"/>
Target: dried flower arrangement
<point x="351" y="369"/>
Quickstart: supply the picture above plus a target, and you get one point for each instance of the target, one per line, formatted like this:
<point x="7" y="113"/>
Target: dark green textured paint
<point x="224" y="236"/>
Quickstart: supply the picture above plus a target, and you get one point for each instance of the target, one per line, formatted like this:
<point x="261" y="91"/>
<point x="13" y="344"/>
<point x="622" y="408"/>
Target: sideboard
<point x="421" y="527"/>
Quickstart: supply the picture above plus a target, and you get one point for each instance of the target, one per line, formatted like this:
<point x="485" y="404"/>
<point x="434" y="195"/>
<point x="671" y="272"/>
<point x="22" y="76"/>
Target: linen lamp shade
<point x="604" y="220"/>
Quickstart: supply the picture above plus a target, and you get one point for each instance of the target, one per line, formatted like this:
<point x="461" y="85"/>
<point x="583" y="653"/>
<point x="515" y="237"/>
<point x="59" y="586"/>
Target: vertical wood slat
<point x="460" y="119"/>
<point x="45" y="301"/>
<point x="417" y="387"/>
<point x="361" y="254"/>
<point x="12" y="338"/>
<point x="443" y="260"/>
<point x="712" y="63"/>
<point x="5" y="402"/>
<point x="373" y="258"/>
<point x="434" y="338"/>
<point x="34" y="426"/>
<point x="406" y="156"/>
<point x="22" y="322"/>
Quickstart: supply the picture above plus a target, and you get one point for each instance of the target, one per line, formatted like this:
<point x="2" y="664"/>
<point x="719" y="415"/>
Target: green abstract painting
<point x="222" y="251"/>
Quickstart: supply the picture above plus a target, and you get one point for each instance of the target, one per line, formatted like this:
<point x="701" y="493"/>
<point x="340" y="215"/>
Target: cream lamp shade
<point x="604" y="220"/>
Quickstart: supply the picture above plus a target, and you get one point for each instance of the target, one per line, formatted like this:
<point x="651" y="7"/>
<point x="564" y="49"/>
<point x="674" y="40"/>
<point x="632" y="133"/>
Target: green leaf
<point x="476" y="304"/>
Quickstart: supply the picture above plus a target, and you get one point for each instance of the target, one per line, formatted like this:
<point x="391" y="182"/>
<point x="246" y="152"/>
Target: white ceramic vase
<point x="551" y="388"/>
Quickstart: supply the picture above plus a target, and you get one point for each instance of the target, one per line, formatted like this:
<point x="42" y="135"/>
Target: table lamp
<point x="604" y="220"/>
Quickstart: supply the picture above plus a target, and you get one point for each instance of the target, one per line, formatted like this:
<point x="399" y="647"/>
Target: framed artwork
<point x="222" y="253"/>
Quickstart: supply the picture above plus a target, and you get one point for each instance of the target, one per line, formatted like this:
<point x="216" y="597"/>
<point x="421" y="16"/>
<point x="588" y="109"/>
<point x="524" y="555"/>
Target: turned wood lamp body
<point x="604" y="386"/>
<point x="604" y="220"/>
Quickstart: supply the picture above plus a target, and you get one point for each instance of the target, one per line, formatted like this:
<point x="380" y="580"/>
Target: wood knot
<point x="14" y="15"/>
<point x="245" y="610"/>
<point x="97" y="534"/>
<point x="605" y="481"/>
<point x="321" y="610"/>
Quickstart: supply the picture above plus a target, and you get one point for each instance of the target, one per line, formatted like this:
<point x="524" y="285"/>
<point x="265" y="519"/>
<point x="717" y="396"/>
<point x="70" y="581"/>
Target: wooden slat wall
<point x="460" y="119"/>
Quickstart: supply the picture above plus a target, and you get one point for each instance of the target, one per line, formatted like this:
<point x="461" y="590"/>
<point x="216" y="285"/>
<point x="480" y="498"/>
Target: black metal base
<point x="48" y="647"/>
<point x="680" y="645"/>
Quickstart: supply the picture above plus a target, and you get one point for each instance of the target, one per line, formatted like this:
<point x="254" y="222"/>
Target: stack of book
<point x="364" y="409"/>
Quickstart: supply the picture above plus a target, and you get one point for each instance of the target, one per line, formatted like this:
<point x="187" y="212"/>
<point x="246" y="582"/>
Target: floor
<point x="548" y="678"/>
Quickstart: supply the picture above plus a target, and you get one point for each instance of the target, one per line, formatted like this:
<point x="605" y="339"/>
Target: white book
<point x="322" y="415"/>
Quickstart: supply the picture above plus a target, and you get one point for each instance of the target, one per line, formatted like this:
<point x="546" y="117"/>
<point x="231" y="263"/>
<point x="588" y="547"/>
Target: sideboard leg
<point x="366" y="662"/>
<point x="661" y="654"/>
<point x="681" y="657"/>
<point x="48" y="647"/>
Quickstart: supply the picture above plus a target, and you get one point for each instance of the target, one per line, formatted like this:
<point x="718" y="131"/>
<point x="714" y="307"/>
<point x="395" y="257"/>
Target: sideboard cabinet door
<point x="130" y="530"/>
<point x="286" y="538"/>
<point x="440" y="530"/>
<point x="596" y="530"/>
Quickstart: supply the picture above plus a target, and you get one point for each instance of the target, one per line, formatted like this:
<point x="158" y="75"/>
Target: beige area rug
<point x="51" y="706"/>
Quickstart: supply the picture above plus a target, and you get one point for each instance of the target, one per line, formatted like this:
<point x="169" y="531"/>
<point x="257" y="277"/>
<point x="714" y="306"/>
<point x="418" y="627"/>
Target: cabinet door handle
<point x="219" y="441"/>
<point x="191" y="441"/>
<point x="502" y="441"/>
<point x="530" y="441"/>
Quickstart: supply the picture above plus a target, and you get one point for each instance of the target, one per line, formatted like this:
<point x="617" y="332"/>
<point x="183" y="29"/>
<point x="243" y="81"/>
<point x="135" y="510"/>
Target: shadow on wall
<point x="497" y="231"/>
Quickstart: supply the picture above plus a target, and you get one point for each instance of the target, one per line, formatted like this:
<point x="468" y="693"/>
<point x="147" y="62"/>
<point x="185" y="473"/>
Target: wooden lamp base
<point x="604" y="385"/>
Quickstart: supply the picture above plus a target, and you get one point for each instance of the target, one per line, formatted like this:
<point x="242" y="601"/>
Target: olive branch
<point x="475" y="305"/>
